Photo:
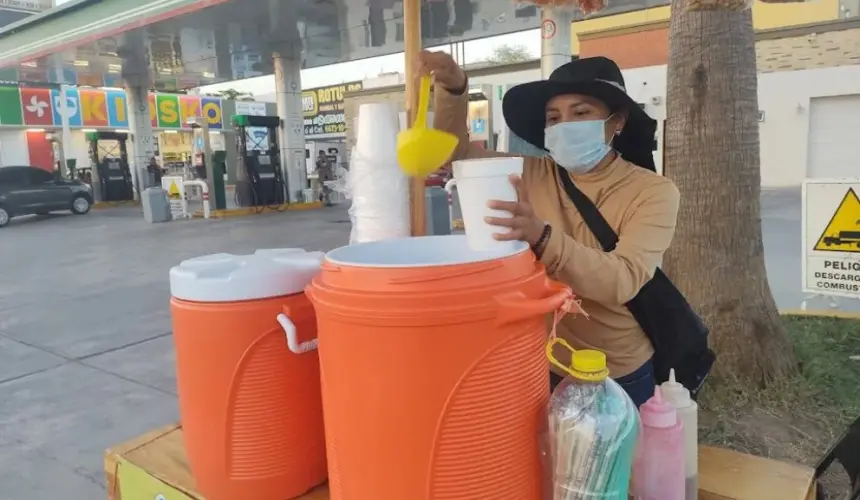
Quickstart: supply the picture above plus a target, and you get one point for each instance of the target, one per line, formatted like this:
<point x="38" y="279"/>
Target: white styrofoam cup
<point x="479" y="181"/>
<point x="376" y="132"/>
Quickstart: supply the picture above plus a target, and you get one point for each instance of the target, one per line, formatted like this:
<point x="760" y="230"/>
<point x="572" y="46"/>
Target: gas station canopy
<point x="189" y="43"/>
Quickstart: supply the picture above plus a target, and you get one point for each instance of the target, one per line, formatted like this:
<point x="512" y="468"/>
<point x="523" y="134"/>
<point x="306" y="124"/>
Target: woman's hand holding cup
<point x="524" y="224"/>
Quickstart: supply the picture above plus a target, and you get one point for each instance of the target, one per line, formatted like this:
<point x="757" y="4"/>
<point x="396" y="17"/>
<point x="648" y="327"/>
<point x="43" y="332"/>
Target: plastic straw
<point x="594" y="427"/>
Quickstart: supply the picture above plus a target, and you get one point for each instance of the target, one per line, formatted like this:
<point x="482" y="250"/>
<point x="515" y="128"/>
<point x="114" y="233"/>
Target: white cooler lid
<point x="224" y="277"/>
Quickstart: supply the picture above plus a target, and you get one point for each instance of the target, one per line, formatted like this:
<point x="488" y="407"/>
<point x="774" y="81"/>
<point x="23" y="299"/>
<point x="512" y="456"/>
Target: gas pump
<point x="111" y="176"/>
<point x="259" y="179"/>
<point x="202" y="163"/>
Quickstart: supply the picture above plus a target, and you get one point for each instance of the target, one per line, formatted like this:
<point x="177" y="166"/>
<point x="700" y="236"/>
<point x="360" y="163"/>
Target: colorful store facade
<point x="29" y="114"/>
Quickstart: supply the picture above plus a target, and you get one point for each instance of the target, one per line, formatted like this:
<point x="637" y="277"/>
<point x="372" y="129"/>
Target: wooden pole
<point x="412" y="45"/>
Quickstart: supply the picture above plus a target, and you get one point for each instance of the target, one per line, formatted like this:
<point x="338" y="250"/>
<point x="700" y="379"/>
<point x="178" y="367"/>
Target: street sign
<point x="173" y="192"/>
<point x="548" y="29"/>
<point x="831" y="237"/>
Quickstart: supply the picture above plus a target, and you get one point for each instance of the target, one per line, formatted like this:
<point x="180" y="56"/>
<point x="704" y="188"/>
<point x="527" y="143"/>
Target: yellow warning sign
<point x="173" y="192"/>
<point x="842" y="233"/>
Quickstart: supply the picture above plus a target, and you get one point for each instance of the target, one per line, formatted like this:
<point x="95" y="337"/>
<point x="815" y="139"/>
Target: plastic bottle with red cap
<point x="658" y="471"/>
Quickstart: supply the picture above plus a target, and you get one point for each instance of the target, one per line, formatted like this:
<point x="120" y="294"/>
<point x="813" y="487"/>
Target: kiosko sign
<point x="101" y="109"/>
<point x="831" y="237"/>
<point x="323" y="110"/>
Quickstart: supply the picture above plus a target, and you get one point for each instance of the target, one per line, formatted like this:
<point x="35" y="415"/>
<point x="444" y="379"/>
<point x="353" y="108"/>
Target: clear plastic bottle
<point x="658" y="471"/>
<point x="688" y="412"/>
<point x="593" y="426"/>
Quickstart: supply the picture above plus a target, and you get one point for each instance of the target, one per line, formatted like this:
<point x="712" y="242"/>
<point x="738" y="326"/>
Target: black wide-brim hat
<point x="524" y="106"/>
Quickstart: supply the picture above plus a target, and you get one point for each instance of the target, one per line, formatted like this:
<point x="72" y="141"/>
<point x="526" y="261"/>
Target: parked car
<point x="32" y="190"/>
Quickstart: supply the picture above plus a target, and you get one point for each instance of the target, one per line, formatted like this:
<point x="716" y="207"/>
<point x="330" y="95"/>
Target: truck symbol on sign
<point x="843" y="238"/>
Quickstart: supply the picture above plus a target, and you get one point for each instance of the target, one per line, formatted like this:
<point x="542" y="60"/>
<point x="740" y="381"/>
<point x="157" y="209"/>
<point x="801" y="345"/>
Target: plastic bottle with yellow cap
<point x="593" y="428"/>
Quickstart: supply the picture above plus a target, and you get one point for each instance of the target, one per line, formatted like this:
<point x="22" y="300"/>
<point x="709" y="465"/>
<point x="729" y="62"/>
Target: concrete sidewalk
<point x="86" y="357"/>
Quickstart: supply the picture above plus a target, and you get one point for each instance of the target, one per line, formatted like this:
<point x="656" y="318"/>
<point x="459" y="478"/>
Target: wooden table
<point x="729" y="475"/>
<point x="155" y="464"/>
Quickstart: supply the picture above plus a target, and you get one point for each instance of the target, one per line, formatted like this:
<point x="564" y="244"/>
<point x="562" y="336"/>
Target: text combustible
<point x="831" y="237"/>
<point x="839" y="275"/>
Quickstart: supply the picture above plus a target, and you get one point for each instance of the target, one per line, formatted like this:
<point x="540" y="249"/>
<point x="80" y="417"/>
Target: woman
<point x="599" y="137"/>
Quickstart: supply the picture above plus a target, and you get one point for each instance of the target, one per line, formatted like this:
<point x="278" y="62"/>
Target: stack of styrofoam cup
<point x="378" y="188"/>
<point x="478" y="182"/>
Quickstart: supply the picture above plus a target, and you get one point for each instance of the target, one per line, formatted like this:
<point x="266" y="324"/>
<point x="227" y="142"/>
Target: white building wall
<point x="13" y="148"/>
<point x="79" y="149"/>
<point x="784" y="97"/>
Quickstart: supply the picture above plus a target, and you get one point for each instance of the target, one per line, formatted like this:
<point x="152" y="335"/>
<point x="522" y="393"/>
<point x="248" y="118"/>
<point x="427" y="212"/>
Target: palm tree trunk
<point x="712" y="154"/>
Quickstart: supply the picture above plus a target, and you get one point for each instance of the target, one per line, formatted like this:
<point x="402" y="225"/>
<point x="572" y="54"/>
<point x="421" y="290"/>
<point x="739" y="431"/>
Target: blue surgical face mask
<point x="577" y="146"/>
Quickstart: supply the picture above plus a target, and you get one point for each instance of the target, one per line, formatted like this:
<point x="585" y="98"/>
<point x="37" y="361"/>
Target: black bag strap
<point x="590" y="214"/>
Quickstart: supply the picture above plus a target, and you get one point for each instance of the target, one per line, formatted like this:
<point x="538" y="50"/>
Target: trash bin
<point x="155" y="205"/>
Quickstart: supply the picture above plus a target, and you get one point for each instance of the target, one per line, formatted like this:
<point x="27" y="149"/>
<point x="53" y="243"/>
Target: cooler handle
<point x="515" y="307"/>
<point x="292" y="337"/>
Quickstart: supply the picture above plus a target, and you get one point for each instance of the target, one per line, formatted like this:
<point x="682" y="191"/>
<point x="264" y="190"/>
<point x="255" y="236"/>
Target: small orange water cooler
<point x="435" y="380"/>
<point x="248" y="373"/>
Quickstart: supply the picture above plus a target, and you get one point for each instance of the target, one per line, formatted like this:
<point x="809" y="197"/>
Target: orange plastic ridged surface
<point x="480" y="447"/>
<point x="251" y="409"/>
<point x="434" y="379"/>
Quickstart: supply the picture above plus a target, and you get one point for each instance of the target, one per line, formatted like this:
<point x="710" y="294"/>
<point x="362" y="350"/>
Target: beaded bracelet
<point x="544" y="236"/>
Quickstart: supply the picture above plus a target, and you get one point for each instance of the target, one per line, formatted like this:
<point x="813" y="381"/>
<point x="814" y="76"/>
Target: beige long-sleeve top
<point x="639" y="205"/>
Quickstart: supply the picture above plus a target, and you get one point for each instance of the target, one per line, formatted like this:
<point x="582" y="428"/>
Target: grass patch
<point x="794" y="420"/>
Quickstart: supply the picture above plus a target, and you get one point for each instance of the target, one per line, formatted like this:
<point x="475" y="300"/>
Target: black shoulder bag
<point x="678" y="334"/>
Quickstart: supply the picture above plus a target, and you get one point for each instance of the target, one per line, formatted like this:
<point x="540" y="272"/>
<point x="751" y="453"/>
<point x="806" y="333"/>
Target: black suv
<point x="31" y="190"/>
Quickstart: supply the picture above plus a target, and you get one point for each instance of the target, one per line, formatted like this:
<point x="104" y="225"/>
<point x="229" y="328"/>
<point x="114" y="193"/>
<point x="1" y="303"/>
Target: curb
<point x="820" y="313"/>
<point x="113" y="204"/>
<point x="246" y="211"/>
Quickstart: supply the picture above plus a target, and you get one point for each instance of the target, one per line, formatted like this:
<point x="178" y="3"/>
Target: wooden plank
<point x="411" y="47"/>
<point x="729" y="475"/>
<point x="164" y="458"/>
<point x="156" y="461"/>
<point x="158" y="458"/>
<point x="113" y="456"/>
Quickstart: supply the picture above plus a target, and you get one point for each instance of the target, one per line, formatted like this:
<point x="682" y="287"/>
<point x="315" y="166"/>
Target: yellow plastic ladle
<point x="421" y="150"/>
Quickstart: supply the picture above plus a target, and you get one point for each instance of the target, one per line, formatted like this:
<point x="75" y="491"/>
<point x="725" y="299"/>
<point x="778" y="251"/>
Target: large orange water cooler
<point x="434" y="374"/>
<point x="248" y="373"/>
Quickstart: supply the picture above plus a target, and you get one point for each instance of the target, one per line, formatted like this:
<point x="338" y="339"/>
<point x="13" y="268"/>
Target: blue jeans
<point x="639" y="384"/>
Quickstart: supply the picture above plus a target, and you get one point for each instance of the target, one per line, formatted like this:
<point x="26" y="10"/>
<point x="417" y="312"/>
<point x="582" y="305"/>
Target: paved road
<point x="86" y="359"/>
<point x="85" y="351"/>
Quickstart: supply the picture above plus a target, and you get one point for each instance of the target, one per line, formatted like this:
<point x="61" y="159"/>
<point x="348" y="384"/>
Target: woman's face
<point x="577" y="107"/>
